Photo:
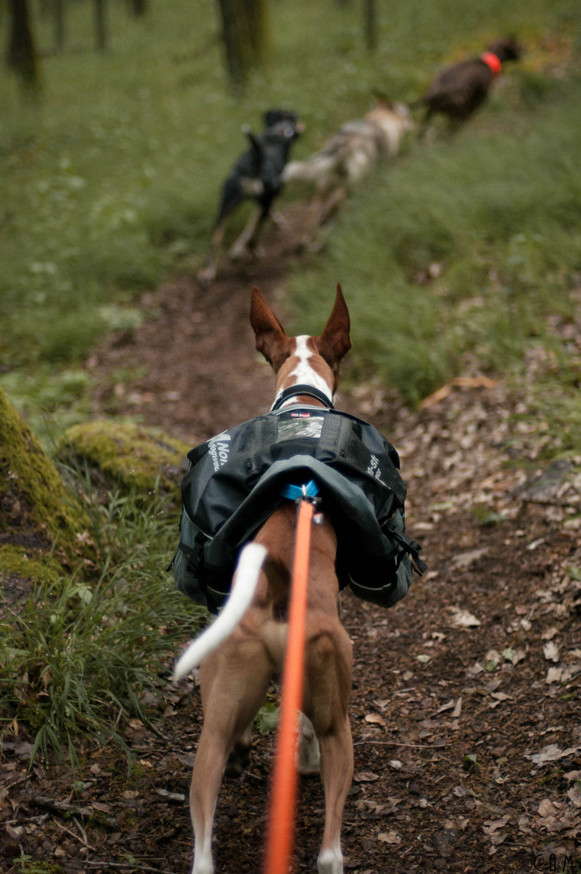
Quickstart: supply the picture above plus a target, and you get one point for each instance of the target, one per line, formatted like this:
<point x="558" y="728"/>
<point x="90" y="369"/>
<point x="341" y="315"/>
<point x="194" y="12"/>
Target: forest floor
<point x="465" y="707"/>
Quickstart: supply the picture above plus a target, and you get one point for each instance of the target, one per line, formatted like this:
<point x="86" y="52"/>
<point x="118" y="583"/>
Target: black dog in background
<point x="257" y="175"/>
<point x="459" y="90"/>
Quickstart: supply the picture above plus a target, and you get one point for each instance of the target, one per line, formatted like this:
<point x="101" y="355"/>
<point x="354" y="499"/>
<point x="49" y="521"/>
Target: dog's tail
<point x="308" y="171"/>
<point x="243" y="587"/>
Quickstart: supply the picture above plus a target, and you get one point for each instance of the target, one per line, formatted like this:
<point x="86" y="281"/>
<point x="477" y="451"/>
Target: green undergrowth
<point x="79" y="654"/>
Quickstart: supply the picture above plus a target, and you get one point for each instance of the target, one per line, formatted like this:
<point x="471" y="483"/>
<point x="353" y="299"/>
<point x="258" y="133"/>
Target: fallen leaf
<point x="457" y="709"/>
<point x="389" y="837"/>
<point x="464" y="619"/>
<point x="524" y="825"/>
<point x="463" y="560"/>
<point x="375" y="718"/>
<point x="493" y="825"/>
<point x="574" y="795"/>
<point x="547" y="808"/>
<point x="365" y="777"/>
<point x="501" y="696"/>
<point x="551" y="651"/>
<point x="551" y="753"/>
<point x="457" y="382"/>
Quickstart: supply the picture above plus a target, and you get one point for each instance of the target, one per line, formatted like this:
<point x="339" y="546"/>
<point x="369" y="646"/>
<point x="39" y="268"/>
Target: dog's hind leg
<point x="308" y="754"/>
<point x="231" y="696"/>
<point x="328" y="686"/>
<point x="248" y="236"/>
<point x="208" y="273"/>
<point x="336" y="774"/>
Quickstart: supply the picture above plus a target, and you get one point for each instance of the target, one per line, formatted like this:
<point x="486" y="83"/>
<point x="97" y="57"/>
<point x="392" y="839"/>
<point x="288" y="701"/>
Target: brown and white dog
<point x="349" y="156"/>
<point x="244" y="648"/>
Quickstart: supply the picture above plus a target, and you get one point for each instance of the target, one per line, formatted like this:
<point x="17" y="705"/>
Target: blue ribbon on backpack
<point x="295" y="493"/>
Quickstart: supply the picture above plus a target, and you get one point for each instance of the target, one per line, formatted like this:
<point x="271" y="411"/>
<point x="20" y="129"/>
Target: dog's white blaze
<point x="304" y="373"/>
<point x="243" y="587"/>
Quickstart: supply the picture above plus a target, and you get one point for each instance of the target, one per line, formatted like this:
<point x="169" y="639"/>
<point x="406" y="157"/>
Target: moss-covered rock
<point x="37" y="511"/>
<point x="126" y="454"/>
<point x="29" y="564"/>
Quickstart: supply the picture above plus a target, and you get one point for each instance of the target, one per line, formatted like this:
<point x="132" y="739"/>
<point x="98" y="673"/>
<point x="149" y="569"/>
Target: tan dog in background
<point x="349" y="156"/>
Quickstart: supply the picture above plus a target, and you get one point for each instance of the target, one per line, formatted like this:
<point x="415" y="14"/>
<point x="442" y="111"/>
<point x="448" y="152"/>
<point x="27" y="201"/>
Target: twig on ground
<point x="82" y="840"/>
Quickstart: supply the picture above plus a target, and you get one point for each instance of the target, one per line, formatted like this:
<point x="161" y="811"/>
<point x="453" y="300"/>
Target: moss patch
<point x="28" y="565"/>
<point x="126" y="454"/>
<point x="36" y="508"/>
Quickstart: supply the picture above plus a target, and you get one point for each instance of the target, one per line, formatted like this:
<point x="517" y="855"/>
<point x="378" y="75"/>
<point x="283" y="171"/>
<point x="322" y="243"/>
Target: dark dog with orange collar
<point x="458" y="91"/>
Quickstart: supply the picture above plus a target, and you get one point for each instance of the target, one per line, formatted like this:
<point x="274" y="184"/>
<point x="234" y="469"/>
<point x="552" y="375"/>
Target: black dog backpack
<point x="235" y="482"/>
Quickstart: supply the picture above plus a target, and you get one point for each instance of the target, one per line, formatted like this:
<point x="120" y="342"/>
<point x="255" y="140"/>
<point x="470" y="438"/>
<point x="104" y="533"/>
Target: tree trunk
<point x="59" y="25"/>
<point x="21" y="55"/>
<point x="370" y="24"/>
<point x="138" y="7"/>
<point x="101" y="26"/>
<point x="246" y="37"/>
<point x="258" y="25"/>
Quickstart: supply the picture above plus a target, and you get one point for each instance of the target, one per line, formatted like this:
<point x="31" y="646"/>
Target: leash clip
<point x="305" y="492"/>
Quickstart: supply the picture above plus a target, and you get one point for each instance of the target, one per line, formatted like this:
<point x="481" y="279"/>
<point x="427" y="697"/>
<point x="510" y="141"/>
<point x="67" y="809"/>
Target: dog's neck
<point x="304" y="367"/>
<point x="492" y="61"/>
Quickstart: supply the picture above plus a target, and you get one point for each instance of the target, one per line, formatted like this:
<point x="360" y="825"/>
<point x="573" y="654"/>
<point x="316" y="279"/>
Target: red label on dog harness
<point x="491" y="61"/>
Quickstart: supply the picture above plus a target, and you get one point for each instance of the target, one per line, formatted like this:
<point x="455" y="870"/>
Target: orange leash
<point x="282" y="811"/>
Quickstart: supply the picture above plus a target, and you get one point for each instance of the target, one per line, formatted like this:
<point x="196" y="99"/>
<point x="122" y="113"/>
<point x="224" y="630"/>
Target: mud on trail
<point x="465" y="710"/>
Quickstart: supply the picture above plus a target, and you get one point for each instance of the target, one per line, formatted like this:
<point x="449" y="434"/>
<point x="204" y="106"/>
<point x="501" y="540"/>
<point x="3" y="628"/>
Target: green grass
<point x="77" y="657"/>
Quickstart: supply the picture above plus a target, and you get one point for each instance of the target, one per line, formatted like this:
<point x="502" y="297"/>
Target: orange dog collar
<point x="491" y="61"/>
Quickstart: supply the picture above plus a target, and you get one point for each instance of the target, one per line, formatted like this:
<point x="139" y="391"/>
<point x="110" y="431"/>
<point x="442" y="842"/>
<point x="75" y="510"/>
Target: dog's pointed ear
<point x="271" y="340"/>
<point x="335" y="342"/>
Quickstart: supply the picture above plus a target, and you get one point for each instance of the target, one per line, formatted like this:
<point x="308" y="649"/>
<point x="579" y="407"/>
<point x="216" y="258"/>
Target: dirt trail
<point x="465" y="709"/>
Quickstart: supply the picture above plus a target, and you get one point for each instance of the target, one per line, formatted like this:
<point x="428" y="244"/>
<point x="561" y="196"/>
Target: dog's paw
<point x="330" y="861"/>
<point x="238" y="252"/>
<point x="206" y="275"/>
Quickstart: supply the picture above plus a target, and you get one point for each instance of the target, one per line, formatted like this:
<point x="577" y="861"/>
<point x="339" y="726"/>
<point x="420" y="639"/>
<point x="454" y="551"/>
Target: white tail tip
<point x="244" y="585"/>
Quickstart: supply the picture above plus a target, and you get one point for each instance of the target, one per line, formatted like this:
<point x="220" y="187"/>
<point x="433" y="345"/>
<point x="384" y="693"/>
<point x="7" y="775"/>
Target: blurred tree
<point x="246" y="37"/>
<point x="138" y="7"/>
<point x="370" y="28"/>
<point x="21" y="55"/>
<point x="59" y="24"/>
<point x="101" y="25"/>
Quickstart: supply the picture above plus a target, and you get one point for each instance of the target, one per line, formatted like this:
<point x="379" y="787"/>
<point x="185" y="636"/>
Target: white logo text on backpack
<point x="219" y="449"/>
